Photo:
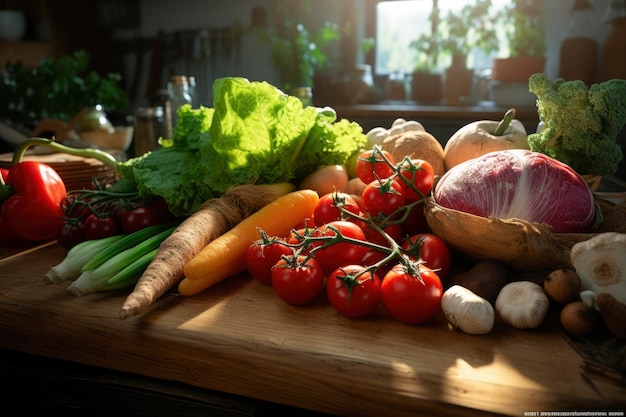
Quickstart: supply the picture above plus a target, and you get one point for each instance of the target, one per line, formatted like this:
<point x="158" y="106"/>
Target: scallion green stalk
<point x="71" y="266"/>
<point x="94" y="280"/>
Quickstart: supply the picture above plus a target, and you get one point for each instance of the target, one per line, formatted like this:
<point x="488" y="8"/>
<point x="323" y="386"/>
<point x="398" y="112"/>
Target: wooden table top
<point x="239" y="338"/>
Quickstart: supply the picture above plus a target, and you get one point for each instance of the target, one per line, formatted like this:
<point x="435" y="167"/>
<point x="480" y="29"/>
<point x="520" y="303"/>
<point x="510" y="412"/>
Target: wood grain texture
<point x="239" y="338"/>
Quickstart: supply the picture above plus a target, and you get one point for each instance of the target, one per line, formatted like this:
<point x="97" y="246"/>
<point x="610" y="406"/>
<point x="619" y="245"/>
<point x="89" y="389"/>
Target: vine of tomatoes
<point x="96" y="214"/>
<point x="365" y="252"/>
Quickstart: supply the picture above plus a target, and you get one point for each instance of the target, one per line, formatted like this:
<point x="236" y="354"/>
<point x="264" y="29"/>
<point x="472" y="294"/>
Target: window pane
<point x="398" y="23"/>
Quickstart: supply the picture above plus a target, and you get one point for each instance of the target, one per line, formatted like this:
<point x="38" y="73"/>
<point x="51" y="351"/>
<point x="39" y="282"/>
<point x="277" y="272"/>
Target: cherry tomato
<point x="415" y="222"/>
<point x="341" y="253"/>
<point x="372" y="166"/>
<point x="419" y="177"/>
<point x="159" y="207"/>
<point x="262" y="255"/>
<point x="137" y="218"/>
<point x="327" y="208"/>
<point x="69" y="234"/>
<point x="372" y="235"/>
<point x="409" y="299"/>
<point x="383" y="197"/>
<point x="352" y="292"/>
<point x="432" y="250"/>
<point x="374" y="256"/>
<point x="98" y="227"/>
<point x="297" y="284"/>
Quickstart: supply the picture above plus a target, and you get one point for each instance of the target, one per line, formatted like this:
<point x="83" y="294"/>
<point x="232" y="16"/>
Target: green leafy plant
<point x="472" y="27"/>
<point x="57" y="88"/>
<point x="523" y="27"/>
<point x="456" y="33"/>
<point x="295" y="49"/>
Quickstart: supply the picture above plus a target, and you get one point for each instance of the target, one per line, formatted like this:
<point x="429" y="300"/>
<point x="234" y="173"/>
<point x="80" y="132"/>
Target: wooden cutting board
<point x="77" y="172"/>
<point x="239" y="338"/>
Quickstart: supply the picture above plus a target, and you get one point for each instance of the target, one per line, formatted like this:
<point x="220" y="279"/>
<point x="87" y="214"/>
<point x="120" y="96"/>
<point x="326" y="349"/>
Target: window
<point x="400" y="22"/>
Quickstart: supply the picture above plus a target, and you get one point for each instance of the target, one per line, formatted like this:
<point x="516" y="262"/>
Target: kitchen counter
<point x="439" y="120"/>
<point x="238" y="338"/>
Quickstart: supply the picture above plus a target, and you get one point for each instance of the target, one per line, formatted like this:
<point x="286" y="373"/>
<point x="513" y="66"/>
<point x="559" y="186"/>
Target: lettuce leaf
<point x="254" y="133"/>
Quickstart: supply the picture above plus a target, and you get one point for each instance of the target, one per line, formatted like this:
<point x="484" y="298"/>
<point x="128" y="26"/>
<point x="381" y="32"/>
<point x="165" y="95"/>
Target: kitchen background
<point x="147" y="41"/>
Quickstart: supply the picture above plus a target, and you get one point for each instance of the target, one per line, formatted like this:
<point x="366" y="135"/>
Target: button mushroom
<point x="600" y="262"/>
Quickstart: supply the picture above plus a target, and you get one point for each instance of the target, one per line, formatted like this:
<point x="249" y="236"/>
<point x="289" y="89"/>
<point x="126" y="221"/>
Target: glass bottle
<point x="178" y="89"/>
<point x="578" y="55"/>
<point x="613" y="51"/>
<point x="193" y="92"/>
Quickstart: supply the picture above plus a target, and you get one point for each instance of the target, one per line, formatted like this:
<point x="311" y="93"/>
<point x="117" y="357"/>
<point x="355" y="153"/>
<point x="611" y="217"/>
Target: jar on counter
<point x="178" y="89"/>
<point x="578" y="52"/>
<point x="149" y="127"/>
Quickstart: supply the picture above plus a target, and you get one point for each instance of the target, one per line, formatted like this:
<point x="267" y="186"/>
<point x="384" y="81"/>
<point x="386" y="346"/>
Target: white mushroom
<point x="601" y="264"/>
<point x="467" y="311"/>
<point x="522" y="304"/>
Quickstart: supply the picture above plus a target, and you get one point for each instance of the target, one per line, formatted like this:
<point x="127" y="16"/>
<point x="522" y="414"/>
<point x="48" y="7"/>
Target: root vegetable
<point x="578" y="319"/>
<point x="225" y="256"/>
<point x="522" y="304"/>
<point x="485" y="279"/>
<point x="416" y="144"/>
<point x="562" y="285"/>
<point x="214" y="218"/>
<point x="326" y="180"/>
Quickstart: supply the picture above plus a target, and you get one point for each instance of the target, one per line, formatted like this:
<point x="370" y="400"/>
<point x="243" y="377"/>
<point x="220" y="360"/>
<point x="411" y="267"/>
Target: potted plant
<point x="58" y="88"/>
<point x="524" y="29"/>
<point x="297" y="51"/>
<point x="426" y="81"/>
<point x="459" y="33"/>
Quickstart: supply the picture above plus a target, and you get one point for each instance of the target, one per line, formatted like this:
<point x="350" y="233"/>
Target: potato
<point x="416" y="144"/>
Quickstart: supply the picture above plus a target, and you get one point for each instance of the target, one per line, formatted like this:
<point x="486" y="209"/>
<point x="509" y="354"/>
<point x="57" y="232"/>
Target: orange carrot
<point x="216" y="217"/>
<point x="225" y="256"/>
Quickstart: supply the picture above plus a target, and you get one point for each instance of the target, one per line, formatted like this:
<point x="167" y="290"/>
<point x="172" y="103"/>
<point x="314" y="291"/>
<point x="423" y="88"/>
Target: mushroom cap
<point x="601" y="264"/>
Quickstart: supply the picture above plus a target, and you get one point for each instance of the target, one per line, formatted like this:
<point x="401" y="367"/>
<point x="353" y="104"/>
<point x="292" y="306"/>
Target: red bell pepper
<point x="32" y="211"/>
<point x="32" y="193"/>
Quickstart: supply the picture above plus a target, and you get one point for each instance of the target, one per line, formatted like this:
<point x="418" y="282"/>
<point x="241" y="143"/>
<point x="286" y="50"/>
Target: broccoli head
<point x="580" y="123"/>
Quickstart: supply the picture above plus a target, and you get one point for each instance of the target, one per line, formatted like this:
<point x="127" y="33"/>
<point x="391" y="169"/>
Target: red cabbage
<point x="519" y="184"/>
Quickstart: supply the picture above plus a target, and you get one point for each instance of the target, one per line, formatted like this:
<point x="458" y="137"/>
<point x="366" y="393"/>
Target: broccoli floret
<point x="580" y="123"/>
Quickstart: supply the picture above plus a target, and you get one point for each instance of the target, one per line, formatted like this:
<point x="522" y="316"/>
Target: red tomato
<point x="297" y="284"/>
<point x="328" y="210"/>
<point x="352" y="292"/>
<point x="70" y="234"/>
<point x="262" y="255"/>
<point x="373" y="257"/>
<point x="418" y="177"/>
<point x="159" y="207"/>
<point x="374" y="236"/>
<point x="383" y="197"/>
<point x="415" y="222"/>
<point x="138" y="218"/>
<point x="340" y="253"/>
<point x="371" y="165"/>
<point x="408" y="299"/>
<point x="96" y="227"/>
<point x="432" y="250"/>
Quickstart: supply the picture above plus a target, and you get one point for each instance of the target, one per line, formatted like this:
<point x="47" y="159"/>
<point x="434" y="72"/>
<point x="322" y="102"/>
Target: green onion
<point x="130" y="240"/>
<point x="132" y="271"/>
<point x="93" y="280"/>
<point x="71" y="266"/>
